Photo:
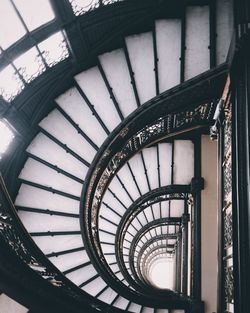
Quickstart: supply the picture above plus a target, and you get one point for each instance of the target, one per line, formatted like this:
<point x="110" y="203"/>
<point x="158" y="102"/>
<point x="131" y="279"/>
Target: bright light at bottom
<point x="6" y="136"/>
<point x="162" y="273"/>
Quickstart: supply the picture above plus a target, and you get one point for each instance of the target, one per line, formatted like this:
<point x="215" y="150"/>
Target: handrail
<point x="150" y="123"/>
<point x="19" y="242"/>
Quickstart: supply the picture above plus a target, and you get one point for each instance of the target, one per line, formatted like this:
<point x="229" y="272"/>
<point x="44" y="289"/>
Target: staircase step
<point x="141" y="55"/>
<point x="8" y="305"/>
<point x="168" y="43"/>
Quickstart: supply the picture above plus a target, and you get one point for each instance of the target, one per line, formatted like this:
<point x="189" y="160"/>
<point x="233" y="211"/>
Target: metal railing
<point x="14" y="236"/>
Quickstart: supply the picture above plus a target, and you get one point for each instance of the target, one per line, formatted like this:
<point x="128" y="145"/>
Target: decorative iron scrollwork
<point x="228" y="285"/>
<point x="13" y="235"/>
<point x="227" y="213"/>
<point x="228" y="230"/>
<point x="12" y="238"/>
<point x="227" y="180"/>
<point x="87" y="6"/>
<point x="17" y="88"/>
<point x="164" y="126"/>
<point x="40" y="69"/>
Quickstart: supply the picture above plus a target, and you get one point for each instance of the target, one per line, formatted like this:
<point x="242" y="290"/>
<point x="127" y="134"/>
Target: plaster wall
<point x="209" y="224"/>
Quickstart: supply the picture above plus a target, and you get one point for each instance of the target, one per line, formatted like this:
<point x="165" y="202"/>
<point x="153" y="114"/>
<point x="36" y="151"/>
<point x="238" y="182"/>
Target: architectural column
<point x="185" y="218"/>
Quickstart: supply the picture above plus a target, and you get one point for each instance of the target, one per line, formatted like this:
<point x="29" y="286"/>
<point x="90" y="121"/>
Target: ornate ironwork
<point x="107" y="2"/>
<point x="170" y="124"/>
<point x="135" y="281"/>
<point x="50" y="60"/>
<point x="87" y="6"/>
<point x="227" y="180"/>
<point x="228" y="284"/>
<point x="228" y="230"/>
<point x="154" y="196"/>
<point x="41" y="68"/>
<point x="147" y="252"/>
<point x="227" y="213"/>
<point x="113" y="155"/>
<point x="227" y="136"/>
<point x="80" y="9"/>
<point x="9" y="96"/>
<point x="11" y="236"/>
<point x="18" y="240"/>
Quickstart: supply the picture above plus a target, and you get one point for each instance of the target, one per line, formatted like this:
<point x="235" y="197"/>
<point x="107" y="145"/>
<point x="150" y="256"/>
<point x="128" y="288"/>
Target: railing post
<point x="197" y="185"/>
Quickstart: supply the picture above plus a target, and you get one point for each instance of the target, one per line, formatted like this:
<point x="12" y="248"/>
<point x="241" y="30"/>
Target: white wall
<point x="209" y="224"/>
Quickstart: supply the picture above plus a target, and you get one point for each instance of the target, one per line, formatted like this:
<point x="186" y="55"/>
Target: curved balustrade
<point x="134" y="153"/>
<point x="112" y="156"/>
<point x="127" y="141"/>
<point x="16" y="238"/>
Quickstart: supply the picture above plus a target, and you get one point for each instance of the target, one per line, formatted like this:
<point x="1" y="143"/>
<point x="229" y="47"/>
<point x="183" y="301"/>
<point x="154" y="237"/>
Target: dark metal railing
<point x="130" y="137"/>
<point x="14" y="236"/>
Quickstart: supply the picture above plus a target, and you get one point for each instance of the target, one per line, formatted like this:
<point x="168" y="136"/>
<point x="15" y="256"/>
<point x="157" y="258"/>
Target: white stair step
<point x="106" y="248"/>
<point x="37" y="172"/>
<point x="107" y="237"/>
<point x="197" y="55"/>
<point x="156" y="210"/>
<point x="138" y="170"/>
<point x="125" y="175"/>
<point x="119" y="79"/>
<point x="224" y="28"/>
<point x="93" y="85"/>
<point x="58" y="243"/>
<point x="106" y="225"/>
<point x="137" y="223"/>
<point x="47" y="150"/>
<point x="108" y="295"/>
<point x="9" y="305"/>
<point x="113" y="202"/>
<point x="61" y="129"/>
<point x="148" y="310"/>
<point x="117" y="188"/>
<point x="33" y="197"/>
<point x="76" y="107"/>
<point x="110" y="258"/>
<point x="82" y="275"/>
<point x="142" y="218"/>
<point x="150" y="157"/>
<point x="141" y="55"/>
<point x="121" y="303"/>
<point x="67" y="261"/>
<point x="35" y="222"/>
<point x="95" y="286"/>
<point x="168" y="41"/>
<point x="134" y="307"/>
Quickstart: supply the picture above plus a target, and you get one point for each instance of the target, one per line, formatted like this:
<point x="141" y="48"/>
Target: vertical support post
<point x="240" y="178"/>
<point x="220" y="287"/>
<point x="185" y="218"/>
<point x="176" y="267"/>
<point x="178" y="262"/>
<point x="197" y="223"/>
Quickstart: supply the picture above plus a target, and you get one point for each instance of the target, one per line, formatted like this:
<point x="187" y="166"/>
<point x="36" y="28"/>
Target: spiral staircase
<point x="112" y="176"/>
